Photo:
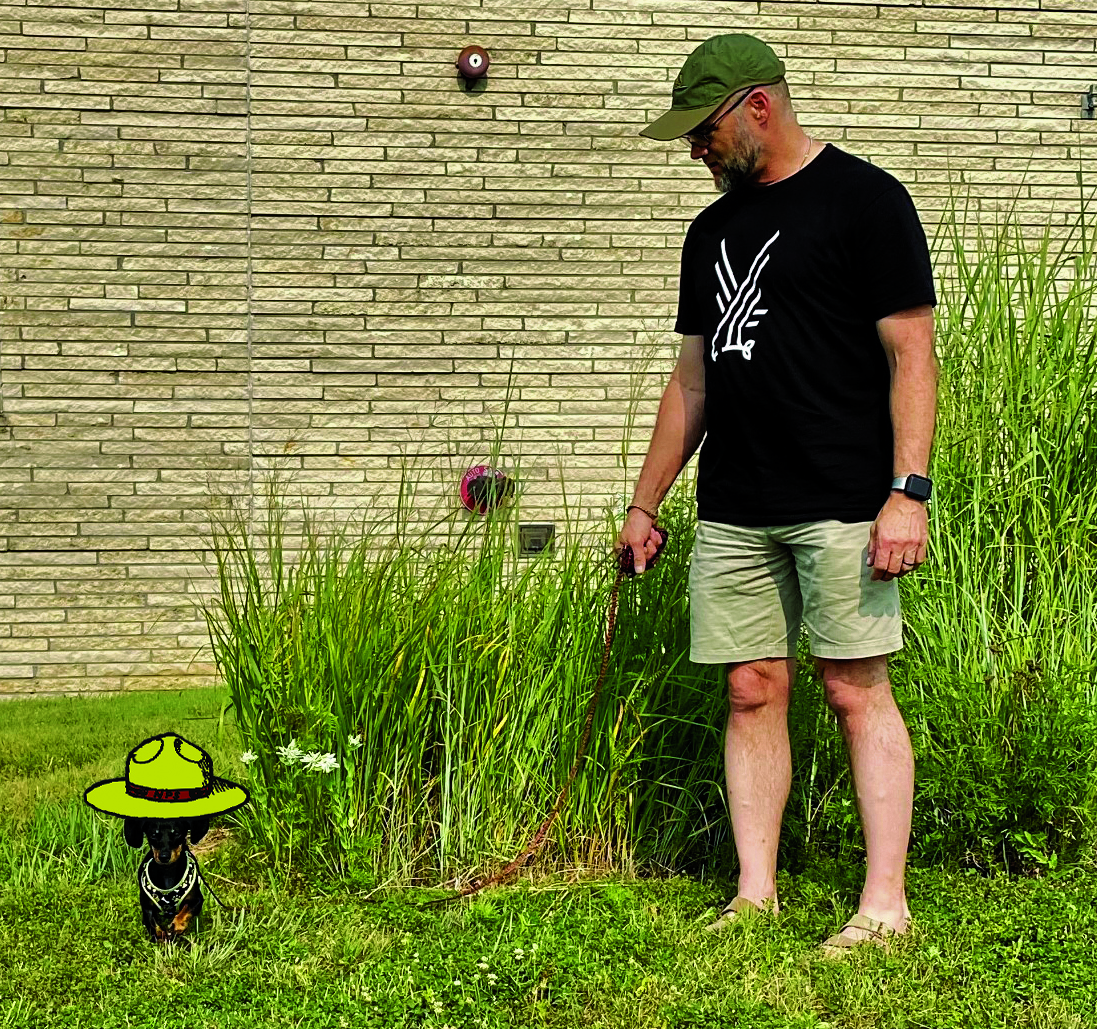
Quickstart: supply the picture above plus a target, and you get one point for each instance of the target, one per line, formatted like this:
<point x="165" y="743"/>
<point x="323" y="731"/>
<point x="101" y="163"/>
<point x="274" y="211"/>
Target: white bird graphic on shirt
<point x="742" y="304"/>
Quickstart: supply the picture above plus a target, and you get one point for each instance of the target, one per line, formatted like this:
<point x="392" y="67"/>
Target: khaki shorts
<point x="750" y="588"/>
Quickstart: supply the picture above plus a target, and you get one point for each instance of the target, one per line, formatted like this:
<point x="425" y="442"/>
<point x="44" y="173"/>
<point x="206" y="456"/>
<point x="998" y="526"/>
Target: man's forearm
<point x="913" y="414"/>
<point x="679" y="429"/>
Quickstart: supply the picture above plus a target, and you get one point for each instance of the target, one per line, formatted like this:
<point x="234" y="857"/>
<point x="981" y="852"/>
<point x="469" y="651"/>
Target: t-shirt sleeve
<point x="889" y="245"/>
<point x="689" y="321"/>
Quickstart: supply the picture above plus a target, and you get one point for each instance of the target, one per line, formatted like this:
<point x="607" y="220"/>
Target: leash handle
<point x="627" y="561"/>
<point x="624" y="568"/>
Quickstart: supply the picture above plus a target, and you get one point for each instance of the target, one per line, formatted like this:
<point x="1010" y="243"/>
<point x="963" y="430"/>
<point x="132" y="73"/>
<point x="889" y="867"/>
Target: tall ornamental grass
<point x="450" y="686"/>
<point x="413" y="708"/>
<point x="1001" y="626"/>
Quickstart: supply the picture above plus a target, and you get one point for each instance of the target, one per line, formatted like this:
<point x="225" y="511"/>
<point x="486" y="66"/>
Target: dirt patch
<point x="213" y="841"/>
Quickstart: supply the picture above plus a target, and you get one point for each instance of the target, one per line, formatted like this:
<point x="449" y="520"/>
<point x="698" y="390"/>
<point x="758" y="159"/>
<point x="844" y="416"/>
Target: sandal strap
<point x="870" y="925"/>
<point x="875" y="929"/>
<point x="737" y="904"/>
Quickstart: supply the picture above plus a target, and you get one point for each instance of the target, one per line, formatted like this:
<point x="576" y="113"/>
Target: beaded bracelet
<point x="639" y="508"/>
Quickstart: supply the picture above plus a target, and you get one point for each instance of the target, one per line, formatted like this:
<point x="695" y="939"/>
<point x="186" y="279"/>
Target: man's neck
<point x="794" y="163"/>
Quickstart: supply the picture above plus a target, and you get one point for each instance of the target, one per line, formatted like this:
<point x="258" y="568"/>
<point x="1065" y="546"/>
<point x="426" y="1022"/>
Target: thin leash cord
<point x="541" y="835"/>
<point x="206" y="884"/>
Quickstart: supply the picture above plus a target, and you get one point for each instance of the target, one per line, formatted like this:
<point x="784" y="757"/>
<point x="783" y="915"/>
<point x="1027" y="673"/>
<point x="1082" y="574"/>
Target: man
<point x="807" y="365"/>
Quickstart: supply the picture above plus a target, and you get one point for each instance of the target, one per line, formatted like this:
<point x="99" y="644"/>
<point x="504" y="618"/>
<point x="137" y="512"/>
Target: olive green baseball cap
<point x="717" y="68"/>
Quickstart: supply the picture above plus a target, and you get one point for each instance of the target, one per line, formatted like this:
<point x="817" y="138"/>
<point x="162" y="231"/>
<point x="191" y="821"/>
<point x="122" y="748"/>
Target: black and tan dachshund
<point x="168" y="882"/>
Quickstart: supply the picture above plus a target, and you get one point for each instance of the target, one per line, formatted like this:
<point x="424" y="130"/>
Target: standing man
<point x="807" y="366"/>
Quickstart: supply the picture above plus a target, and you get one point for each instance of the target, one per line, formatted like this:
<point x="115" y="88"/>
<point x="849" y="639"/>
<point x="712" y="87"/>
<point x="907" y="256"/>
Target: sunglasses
<point x="703" y="136"/>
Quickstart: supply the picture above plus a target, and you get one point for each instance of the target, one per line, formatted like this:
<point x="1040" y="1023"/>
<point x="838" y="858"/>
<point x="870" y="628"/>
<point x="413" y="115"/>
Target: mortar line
<point x="247" y="248"/>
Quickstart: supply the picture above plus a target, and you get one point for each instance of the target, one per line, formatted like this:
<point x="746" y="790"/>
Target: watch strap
<point x="903" y="483"/>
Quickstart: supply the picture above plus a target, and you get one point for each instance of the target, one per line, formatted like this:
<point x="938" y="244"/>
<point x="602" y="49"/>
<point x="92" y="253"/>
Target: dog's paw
<point x="180" y="922"/>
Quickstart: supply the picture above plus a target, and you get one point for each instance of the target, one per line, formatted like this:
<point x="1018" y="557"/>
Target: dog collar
<point x="167" y="900"/>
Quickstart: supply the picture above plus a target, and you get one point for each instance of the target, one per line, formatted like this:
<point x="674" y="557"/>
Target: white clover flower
<point x="314" y="761"/>
<point x="482" y="964"/>
<point x="491" y="977"/>
<point x="290" y="755"/>
<point x="354" y="742"/>
<point x="248" y="757"/>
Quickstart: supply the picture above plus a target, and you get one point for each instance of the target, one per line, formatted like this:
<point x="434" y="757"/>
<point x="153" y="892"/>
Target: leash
<point x="625" y="569"/>
<point x="206" y="884"/>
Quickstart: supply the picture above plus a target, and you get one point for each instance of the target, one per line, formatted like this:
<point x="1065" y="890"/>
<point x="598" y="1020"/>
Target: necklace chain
<point x="805" y="157"/>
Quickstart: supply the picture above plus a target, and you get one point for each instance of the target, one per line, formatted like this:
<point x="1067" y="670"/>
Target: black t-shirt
<point x="786" y="283"/>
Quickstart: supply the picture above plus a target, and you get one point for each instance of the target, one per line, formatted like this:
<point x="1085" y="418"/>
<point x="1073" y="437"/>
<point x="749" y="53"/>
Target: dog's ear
<point x="134" y="831"/>
<point x="198" y="828"/>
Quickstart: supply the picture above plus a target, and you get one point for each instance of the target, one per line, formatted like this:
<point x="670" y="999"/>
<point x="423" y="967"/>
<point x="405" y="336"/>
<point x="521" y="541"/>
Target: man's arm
<point x="679" y="426"/>
<point x="907" y="337"/>
<point x="897" y="540"/>
<point x="679" y="429"/>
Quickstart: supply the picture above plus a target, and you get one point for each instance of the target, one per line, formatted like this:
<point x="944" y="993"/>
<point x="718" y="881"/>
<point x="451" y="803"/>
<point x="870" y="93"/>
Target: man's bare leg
<point x="859" y="693"/>
<point x="758" y="768"/>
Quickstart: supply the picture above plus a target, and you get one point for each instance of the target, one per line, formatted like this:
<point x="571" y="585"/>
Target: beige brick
<point x="407" y="243"/>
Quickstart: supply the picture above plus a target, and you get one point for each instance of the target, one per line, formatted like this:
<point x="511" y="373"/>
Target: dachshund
<point x="168" y="880"/>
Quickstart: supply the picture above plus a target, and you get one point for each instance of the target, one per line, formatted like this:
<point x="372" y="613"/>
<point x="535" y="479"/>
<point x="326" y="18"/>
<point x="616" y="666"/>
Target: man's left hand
<point x="897" y="539"/>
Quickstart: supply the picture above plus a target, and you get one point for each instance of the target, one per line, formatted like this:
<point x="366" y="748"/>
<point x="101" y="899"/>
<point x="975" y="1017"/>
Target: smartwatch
<point x="917" y="487"/>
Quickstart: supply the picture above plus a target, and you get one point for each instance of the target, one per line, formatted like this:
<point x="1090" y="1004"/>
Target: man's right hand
<point x="639" y="533"/>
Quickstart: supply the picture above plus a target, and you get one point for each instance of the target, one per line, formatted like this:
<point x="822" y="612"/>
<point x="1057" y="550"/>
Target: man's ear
<point x="134" y="831"/>
<point x="198" y="828"/>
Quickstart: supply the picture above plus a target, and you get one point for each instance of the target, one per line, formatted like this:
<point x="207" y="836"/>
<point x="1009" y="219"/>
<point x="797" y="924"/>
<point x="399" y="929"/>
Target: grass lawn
<point x="558" y="951"/>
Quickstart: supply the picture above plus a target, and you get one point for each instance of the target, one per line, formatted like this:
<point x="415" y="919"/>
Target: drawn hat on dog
<point x="166" y="777"/>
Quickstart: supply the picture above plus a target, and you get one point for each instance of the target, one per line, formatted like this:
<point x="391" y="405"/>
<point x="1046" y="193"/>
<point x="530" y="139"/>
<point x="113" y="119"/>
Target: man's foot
<point x="740" y="908"/>
<point x="861" y="929"/>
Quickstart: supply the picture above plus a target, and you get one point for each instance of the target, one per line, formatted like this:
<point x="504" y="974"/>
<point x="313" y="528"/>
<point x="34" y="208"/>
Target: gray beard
<point x="727" y="181"/>
<point x="731" y="179"/>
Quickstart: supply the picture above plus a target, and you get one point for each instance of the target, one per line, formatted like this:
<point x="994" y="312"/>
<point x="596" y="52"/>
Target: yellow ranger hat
<point x="166" y="777"/>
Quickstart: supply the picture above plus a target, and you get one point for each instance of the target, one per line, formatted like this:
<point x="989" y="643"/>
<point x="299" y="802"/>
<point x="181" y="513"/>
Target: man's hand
<point x="897" y="539"/>
<point x="638" y="533"/>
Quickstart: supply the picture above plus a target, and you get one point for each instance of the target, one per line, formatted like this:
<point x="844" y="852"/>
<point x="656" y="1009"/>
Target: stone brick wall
<point x="246" y="235"/>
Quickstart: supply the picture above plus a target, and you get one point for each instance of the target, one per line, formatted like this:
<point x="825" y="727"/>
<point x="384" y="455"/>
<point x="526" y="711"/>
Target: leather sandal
<point x="739" y="908"/>
<point x="841" y="944"/>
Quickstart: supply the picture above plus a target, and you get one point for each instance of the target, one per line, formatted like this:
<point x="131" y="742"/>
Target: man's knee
<point x="756" y="684"/>
<point x="852" y="683"/>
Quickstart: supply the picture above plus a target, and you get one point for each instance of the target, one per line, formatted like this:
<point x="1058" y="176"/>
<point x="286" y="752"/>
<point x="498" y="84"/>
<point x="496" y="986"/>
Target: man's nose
<point x="697" y="150"/>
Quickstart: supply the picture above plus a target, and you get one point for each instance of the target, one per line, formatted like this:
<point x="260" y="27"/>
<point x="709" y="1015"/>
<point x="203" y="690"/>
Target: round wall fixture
<point x="484" y="487"/>
<point x="472" y="62"/>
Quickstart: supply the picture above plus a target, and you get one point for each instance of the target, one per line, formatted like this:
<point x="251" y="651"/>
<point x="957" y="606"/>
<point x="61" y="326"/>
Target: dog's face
<point x="167" y="838"/>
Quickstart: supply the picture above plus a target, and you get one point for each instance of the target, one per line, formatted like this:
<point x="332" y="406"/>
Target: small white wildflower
<point x="482" y="965"/>
<point x="290" y="755"/>
<point x="248" y="757"/>
<point x="309" y="760"/>
<point x="327" y="763"/>
<point x="491" y="977"/>
<point x="519" y="953"/>
<point x="354" y="742"/>
<point x="456" y="982"/>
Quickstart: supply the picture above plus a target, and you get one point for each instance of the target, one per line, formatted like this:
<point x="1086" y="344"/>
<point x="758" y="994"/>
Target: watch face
<point x="918" y="487"/>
